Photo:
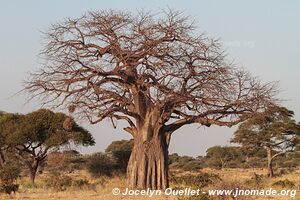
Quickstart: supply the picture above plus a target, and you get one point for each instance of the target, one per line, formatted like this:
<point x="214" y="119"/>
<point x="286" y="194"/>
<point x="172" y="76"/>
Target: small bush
<point x="185" y="163"/>
<point x="284" y="171"/>
<point x="8" y="175"/>
<point x="256" y="181"/>
<point x="102" y="181"/>
<point x="58" y="182"/>
<point x="9" y="188"/>
<point x="100" y="165"/>
<point x="193" y="165"/>
<point x="83" y="184"/>
<point x="80" y="183"/>
<point x="284" y="183"/>
<point x="231" y="185"/>
<point x="196" y="182"/>
<point x="199" y="181"/>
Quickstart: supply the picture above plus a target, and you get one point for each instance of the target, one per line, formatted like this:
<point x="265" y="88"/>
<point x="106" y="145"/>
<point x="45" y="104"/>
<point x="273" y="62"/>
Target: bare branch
<point x="111" y="64"/>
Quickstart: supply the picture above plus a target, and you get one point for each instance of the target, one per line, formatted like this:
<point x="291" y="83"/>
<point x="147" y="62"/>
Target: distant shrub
<point x="194" y="165"/>
<point x="9" y="173"/>
<point x="102" y="181"/>
<point x="199" y="181"/>
<point x="100" y="165"/>
<point x="256" y="181"/>
<point x="185" y="163"/>
<point x="9" y="188"/>
<point x="61" y="182"/>
<point x="254" y="162"/>
<point x="82" y="184"/>
<point x="58" y="182"/>
<point x="8" y="176"/>
<point x="66" y="161"/>
<point x="194" y="181"/>
<point x="231" y="185"/>
<point x="284" y="171"/>
<point x="284" y="183"/>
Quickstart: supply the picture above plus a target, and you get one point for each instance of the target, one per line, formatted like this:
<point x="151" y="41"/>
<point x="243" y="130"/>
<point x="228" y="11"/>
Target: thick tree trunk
<point x="148" y="163"/>
<point x="270" y="162"/>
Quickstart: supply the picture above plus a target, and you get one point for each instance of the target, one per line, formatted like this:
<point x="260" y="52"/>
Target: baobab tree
<point x="153" y="71"/>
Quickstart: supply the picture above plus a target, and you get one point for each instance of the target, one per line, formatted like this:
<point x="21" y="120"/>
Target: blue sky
<point x="261" y="36"/>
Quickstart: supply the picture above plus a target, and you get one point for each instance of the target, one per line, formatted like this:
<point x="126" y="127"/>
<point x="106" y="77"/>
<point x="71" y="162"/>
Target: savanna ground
<point x="101" y="187"/>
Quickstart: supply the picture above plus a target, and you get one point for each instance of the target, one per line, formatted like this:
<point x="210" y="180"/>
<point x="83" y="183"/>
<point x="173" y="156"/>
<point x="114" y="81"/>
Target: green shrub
<point x="185" y="163"/>
<point x="193" y="165"/>
<point x="66" y="161"/>
<point x="101" y="165"/>
<point x="121" y="151"/>
<point x="9" y="173"/>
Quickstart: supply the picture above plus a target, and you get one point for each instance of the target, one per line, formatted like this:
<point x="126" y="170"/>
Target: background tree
<point x="64" y="161"/>
<point x="185" y="163"/>
<point x="33" y="135"/>
<point x="153" y="71"/>
<point x="277" y="132"/>
<point x="2" y="159"/>
<point x="121" y="150"/>
<point x="8" y="123"/>
<point x="100" y="164"/>
<point x="222" y="157"/>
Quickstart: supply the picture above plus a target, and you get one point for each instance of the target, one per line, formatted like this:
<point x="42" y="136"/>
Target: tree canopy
<point x="275" y="131"/>
<point x="42" y="128"/>
<point x="114" y="64"/>
<point x="220" y="157"/>
<point x="33" y="135"/>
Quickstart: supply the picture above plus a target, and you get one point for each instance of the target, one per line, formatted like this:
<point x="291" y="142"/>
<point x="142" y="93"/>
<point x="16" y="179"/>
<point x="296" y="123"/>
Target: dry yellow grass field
<point x="102" y="189"/>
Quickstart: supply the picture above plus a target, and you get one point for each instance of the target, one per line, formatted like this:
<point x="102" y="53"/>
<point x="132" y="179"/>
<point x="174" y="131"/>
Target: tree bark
<point x="2" y="159"/>
<point x="148" y="163"/>
<point x="270" y="162"/>
<point x="33" y="170"/>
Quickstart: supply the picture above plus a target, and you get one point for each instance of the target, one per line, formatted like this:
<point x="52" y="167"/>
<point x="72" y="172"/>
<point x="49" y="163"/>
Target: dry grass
<point x="104" y="186"/>
<point x="240" y="176"/>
